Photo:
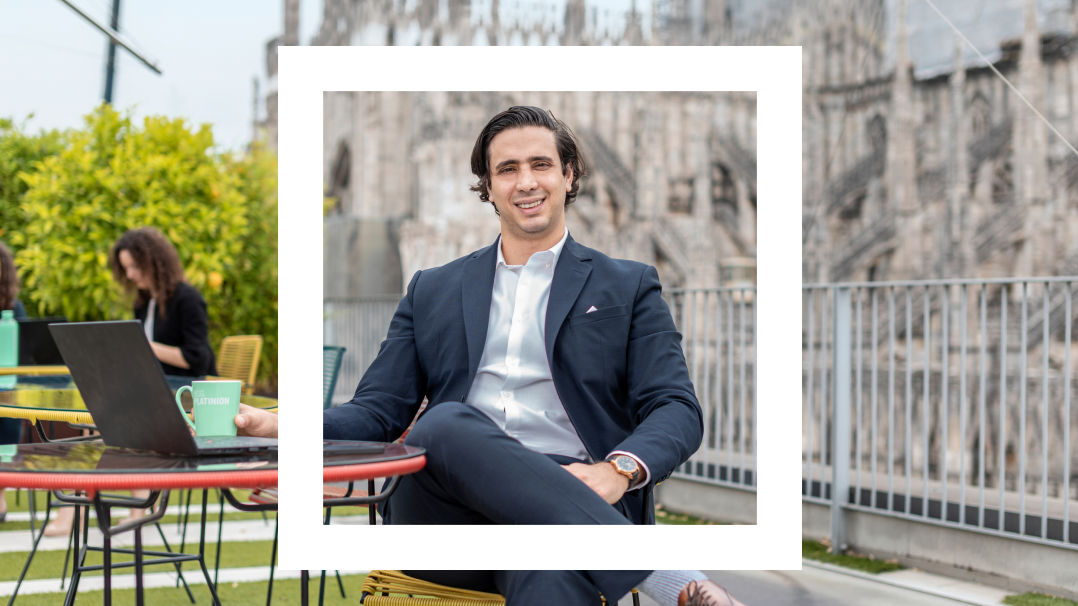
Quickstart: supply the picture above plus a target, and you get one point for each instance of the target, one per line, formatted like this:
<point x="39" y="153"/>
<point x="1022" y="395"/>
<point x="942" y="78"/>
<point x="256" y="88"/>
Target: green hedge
<point x="218" y="209"/>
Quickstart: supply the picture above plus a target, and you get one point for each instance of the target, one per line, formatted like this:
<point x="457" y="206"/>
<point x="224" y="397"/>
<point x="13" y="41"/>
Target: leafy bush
<point x="18" y="152"/>
<point x="219" y="210"/>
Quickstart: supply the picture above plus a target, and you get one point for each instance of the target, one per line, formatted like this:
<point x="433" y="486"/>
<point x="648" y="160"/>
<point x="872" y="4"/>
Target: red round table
<point x="93" y="468"/>
<point x="390" y="461"/>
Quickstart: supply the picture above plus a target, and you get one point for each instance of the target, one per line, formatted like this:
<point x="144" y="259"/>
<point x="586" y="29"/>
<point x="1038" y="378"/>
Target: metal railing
<point x="719" y="330"/>
<point x="945" y="402"/>
<point x="359" y="324"/>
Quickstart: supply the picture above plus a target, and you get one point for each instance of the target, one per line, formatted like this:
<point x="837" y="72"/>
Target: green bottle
<point x="9" y="346"/>
<point x="9" y="339"/>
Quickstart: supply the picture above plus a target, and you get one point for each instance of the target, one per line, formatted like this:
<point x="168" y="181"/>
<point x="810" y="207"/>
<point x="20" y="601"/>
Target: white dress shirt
<point x="513" y="385"/>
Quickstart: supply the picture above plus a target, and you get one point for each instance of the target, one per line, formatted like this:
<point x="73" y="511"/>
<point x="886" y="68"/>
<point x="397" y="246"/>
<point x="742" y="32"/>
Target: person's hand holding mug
<point x="256" y="422"/>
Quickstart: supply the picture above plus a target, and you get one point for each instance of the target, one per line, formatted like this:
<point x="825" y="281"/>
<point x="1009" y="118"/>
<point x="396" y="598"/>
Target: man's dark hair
<point x="519" y="117"/>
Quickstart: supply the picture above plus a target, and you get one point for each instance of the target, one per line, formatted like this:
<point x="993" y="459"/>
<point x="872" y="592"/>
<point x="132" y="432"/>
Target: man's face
<point x="526" y="183"/>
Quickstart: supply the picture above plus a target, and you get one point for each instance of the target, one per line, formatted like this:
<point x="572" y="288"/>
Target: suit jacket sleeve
<point x="391" y="390"/>
<point x="661" y="397"/>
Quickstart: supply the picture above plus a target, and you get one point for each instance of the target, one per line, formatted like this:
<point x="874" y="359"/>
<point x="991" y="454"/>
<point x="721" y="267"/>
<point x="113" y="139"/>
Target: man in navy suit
<point x="556" y="381"/>
<point x="538" y="356"/>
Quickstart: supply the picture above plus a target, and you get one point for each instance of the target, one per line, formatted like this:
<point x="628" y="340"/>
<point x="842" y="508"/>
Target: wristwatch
<point x="626" y="466"/>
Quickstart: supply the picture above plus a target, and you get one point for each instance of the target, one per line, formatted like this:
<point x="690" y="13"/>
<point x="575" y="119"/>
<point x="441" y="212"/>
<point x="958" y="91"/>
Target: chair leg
<point x="340" y="583"/>
<point x="183" y="533"/>
<point x="273" y="564"/>
<point x="220" y="527"/>
<point x="37" y="540"/>
<point x="322" y="588"/>
<point x="179" y="568"/>
<point x="67" y="554"/>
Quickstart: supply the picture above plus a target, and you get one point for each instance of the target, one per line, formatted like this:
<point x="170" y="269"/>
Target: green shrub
<point x="18" y="152"/>
<point x="219" y="210"/>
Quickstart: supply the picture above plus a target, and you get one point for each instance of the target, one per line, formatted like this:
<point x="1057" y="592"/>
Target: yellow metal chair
<point x="238" y="360"/>
<point x="380" y="584"/>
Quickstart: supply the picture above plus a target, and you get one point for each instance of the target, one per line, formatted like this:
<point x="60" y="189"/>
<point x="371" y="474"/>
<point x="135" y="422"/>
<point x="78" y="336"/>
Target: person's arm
<point x="256" y="422"/>
<point x="169" y="354"/>
<point x="391" y="390"/>
<point x="670" y="424"/>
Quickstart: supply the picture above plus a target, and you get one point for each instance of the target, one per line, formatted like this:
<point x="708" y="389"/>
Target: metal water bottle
<point x="9" y="339"/>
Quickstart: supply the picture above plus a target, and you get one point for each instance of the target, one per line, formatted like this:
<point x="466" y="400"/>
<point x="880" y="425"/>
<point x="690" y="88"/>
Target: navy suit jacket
<point x="620" y="371"/>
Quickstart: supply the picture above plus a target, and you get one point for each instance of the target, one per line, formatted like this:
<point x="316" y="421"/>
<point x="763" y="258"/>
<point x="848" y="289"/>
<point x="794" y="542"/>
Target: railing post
<point x="840" y="430"/>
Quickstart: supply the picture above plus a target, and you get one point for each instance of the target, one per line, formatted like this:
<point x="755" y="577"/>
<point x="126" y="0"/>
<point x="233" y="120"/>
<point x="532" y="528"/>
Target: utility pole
<point x="110" y="68"/>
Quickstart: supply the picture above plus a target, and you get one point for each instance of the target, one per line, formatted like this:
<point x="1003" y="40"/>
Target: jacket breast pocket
<point x="598" y="314"/>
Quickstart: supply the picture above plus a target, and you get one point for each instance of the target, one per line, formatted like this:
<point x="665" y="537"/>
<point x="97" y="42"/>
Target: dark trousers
<point x="10" y="431"/>
<point x="541" y="587"/>
<point x="477" y="474"/>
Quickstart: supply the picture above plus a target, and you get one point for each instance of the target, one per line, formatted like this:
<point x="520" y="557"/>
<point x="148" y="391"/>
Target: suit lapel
<point x="476" y="289"/>
<point x="569" y="277"/>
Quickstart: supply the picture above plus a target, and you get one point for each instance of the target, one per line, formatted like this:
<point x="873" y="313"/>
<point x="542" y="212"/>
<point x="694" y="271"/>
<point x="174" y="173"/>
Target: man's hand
<point x="602" y="478"/>
<point x="256" y="422"/>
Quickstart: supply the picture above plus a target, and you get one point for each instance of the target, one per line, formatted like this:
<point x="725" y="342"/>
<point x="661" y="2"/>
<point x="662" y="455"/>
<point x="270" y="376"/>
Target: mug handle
<point x="182" y="411"/>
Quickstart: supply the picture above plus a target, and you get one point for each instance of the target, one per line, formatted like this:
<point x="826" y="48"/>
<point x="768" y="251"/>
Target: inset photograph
<point x="539" y="308"/>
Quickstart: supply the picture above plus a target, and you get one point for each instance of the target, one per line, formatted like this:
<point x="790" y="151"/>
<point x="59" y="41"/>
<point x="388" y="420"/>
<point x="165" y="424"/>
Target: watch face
<point x="625" y="463"/>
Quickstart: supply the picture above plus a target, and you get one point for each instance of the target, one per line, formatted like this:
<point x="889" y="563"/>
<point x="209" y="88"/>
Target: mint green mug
<point x="216" y="404"/>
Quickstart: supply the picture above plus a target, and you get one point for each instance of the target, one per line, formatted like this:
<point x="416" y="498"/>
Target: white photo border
<point x="775" y="73"/>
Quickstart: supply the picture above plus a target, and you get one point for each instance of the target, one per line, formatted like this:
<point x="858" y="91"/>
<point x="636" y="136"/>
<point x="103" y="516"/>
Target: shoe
<point x="708" y="593"/>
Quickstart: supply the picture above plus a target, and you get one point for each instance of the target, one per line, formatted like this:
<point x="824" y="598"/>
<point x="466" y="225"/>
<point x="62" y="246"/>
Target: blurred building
<point x="923" y="163"/>
<point x="672" y="175"/>
<point x="919" y="161"/>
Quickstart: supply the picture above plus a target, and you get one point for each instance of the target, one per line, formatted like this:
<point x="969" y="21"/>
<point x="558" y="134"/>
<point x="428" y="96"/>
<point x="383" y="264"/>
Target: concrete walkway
<point x="819" y="584"/>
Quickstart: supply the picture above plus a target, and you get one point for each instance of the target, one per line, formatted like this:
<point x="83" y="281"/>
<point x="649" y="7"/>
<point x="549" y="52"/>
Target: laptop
<point x="125" y="390"/>
<point x="36" y="345"/>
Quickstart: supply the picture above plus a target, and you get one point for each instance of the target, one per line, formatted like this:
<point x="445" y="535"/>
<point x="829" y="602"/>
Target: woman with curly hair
<point x="10" y="429"/>
<point x="172" y="312"/>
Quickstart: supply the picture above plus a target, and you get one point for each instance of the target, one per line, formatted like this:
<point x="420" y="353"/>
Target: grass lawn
<point x="1037" y="599"/>
<point x="196" y="500"/>
<point x="285" y="592"/>
<point x="814" y="550"/>
<point x="49" y="564"/>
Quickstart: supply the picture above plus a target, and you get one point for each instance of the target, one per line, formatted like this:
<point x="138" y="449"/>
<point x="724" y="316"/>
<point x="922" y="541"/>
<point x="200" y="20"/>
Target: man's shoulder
<point x="604" y="263"/>
<point x="451" y="271"/>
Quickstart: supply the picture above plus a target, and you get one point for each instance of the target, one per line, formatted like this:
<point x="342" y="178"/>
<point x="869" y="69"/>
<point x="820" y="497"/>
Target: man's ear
<point x="568" y="178"/>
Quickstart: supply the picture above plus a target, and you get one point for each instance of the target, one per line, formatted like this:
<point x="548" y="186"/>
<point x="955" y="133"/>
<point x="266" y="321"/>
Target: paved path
<point x="817" y="586"/>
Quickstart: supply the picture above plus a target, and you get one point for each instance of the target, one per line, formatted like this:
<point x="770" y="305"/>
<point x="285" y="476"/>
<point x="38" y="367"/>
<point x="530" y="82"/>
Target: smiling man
<point x="556" y="382"/>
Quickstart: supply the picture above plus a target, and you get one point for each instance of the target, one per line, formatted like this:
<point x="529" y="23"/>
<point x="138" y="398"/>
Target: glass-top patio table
<point x="54" y="397"/>
<point x="93" y="468"/>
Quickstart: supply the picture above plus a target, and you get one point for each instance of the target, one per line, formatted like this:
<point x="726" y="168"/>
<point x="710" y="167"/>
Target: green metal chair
<point x="331" y="367"/>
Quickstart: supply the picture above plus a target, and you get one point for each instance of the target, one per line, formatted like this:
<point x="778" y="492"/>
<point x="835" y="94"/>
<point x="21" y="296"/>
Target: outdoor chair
<point x="381" y="583"/>
<point x="238" y="360"/>
<point x="331" y="367"/>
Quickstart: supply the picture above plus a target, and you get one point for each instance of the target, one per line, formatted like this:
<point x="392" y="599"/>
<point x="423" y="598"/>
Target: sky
<point x="52" y="61"/>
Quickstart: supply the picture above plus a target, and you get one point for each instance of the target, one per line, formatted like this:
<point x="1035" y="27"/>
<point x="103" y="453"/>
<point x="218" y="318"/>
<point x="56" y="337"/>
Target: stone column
<point x="959" y="255"/>
<point x="1031" y="175"/>
<point x="901" y="170"/>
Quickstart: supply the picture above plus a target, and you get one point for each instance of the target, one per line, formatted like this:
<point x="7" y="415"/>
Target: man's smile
<point x="530" y="205"/>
